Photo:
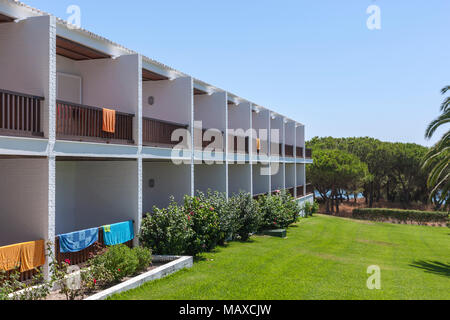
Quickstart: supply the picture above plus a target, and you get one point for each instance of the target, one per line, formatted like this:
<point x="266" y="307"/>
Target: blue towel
<point x="119" y="233"/>
<point x="77" y="241"/>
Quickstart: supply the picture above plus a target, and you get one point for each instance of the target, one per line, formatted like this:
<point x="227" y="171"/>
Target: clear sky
<point x="314" y="61"/>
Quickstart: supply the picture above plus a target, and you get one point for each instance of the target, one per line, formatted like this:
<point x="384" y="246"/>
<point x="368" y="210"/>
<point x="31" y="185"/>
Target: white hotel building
<point x="60" y="172"/>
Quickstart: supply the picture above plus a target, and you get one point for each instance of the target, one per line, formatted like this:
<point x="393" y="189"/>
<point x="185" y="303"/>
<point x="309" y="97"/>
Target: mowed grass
<point x="322" y="258"/>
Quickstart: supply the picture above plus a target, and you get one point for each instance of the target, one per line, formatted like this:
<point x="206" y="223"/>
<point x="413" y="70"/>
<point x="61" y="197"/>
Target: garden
<point x="199" y="225"/>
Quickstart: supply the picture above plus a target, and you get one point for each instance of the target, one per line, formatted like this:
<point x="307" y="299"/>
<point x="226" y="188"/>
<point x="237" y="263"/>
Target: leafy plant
<point x="204" y="221"/>
<point x="166" y="231"/>
<point x="144" y="257"/>
<point x="274" y="214"/>
<point x="248" y="216"/>
<point x="401" y="215"/>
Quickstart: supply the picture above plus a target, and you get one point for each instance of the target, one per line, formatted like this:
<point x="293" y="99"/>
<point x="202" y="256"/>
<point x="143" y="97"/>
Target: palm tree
<point x="438" y="158"/>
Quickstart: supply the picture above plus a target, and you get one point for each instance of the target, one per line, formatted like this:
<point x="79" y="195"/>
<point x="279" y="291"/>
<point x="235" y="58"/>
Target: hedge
<point x="401" y="215"/>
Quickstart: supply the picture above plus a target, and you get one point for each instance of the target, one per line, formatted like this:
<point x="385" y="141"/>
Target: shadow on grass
<point x="434" y="267"/>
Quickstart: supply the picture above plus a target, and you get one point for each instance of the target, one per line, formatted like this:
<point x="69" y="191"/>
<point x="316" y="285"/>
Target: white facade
<point x="53" y="185"/>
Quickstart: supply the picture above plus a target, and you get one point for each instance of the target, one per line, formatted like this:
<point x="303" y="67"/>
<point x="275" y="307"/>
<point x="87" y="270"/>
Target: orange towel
<point x="109" y="120"/>
<point x="258" y="144"/>
<point x="32" y="255"/>
<point x="10" y="257"/>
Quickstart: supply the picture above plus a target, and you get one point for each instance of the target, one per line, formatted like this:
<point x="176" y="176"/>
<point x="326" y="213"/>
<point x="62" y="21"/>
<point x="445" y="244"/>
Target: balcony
<point x="309" y="189"/>
<point x="235" y="144"/>
<point x="300" y="192"/>
<point x="158" y="133"/>
<point x="308" y="153"/>
<point x="289" y="151"/>
<point x="299" y="152"/>
<point x="20" y="114"/>
<point x="206" y="143"/>
<point x="84" y="123"/>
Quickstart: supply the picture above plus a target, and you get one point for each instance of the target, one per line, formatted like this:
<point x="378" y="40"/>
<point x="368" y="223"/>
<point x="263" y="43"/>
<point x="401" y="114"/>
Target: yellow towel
<point x="258" y="144"/>
<point x="10" y="257"/>
<point x="32" y="255"/>
<point x="109" y="120"/>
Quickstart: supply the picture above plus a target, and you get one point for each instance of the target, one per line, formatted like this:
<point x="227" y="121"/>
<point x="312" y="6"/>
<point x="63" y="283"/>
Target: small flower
<point x="212" y="209"/>
<point x="67" y="261"/>
<point x="95" y="281"/>
<point x="118" y="270"/>
<point x="192" y="213"/>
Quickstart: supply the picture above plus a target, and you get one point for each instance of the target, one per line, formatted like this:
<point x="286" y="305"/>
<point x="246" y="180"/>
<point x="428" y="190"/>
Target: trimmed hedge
<point x="401" y="215"/>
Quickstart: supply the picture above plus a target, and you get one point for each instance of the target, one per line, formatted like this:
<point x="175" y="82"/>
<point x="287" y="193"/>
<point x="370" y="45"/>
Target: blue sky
<point x="314" y="61"/>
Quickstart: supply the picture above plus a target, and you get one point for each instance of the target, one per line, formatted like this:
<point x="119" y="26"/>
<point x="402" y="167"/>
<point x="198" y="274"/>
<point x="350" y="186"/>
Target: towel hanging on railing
<point x="10" y="257"/>
<point x="258" y="144"/>
<point x="26" y="256"/>
<point x="118" y="233"/>
<point x="109" y="120"/>
<point x="77" y="241"/>
<point x="32" y="255"/>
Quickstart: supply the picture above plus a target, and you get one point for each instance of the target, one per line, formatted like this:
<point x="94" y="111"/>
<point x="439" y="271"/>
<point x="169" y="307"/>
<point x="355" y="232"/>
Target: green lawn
<point x="322" y="258"/>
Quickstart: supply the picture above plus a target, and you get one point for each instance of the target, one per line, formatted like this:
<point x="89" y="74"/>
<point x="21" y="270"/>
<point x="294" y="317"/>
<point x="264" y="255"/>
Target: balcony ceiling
<point x="76" y="51"/>
<point x="199" y="92"/>
<point x="148" y="75"/>
<point x="4" y="18"/>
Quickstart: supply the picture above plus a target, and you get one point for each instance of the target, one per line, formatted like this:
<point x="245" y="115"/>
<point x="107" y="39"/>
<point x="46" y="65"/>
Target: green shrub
<point x="118" y="262"/>
<point x="166" y="231"/>
<point x="204" y="222"/>
<point x="310" y="208"/>
<point x="144" y="257"/>
<point x="401" y="215"/>
<point x="274" y="214"/>
<point x="227" y="214"/>
<point x="248" y="216"/>
<point x="291" y="206"/>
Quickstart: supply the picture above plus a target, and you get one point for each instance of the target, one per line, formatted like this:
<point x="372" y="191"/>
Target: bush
<point x="248" y="216"/>
<point x="204" y="222"/>
<point x="291" y="206"/>
<point x="118" y="262"/>
<point x="144" y="257"/>
<point x="401" y="215"/>
<point x="274" y="213"/>
<point x="310" y="208"/>
<point x="166" y="231"/>
<point x="227" y="214"/>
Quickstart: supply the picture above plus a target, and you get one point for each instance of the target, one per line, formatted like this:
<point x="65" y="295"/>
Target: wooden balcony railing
<point x="289" y="150"/>
<point x="20" y="114"/>
<point x="235" y="140"/>
<point x="86" y="254"/>
<point x="309" y="189"/>
<point x="84" y="123"/>
<point x="159" y="133"/>
<point x="292" y="191"/>
<point x="213" y="139"/>
<point x="308" y="153"/>
<point x="300" y="192"/>
<point x="299" y="152"/>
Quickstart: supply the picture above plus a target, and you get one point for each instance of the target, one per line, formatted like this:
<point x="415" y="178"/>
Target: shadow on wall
<point x="434" y="267"/>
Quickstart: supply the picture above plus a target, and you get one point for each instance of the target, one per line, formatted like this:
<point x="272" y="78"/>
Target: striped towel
<point x="77" y="241"/>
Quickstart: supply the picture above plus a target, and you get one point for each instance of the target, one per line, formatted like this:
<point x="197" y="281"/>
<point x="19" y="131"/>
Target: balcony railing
<point x="308" y="153"/>
<point x="292" y="191"/>
<point x="277" y="151"/>
<point x="289" y="150"/>
<point x="158" y="133"/>
<point x="84" y="123"/>
<point x="235" y="139"/>
<point x="300" y="192"/>
<point x="309" y="189"/>
<point x="299" y="152"/>
<point x="206" y="143"/>
<point x="20" y="114"/>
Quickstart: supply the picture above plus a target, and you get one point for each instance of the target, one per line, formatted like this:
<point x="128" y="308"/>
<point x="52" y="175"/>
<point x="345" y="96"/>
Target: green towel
<point x="107" y="228"/>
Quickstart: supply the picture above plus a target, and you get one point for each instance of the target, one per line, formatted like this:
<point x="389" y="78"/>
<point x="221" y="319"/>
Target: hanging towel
<point x="118" y="233"/>
<point x="77" y="241"/>
<point x="32" y="255"/>
<point x="109" y="120"/>
<point x="10" y="257"/>
<point x="258" y="144"/>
